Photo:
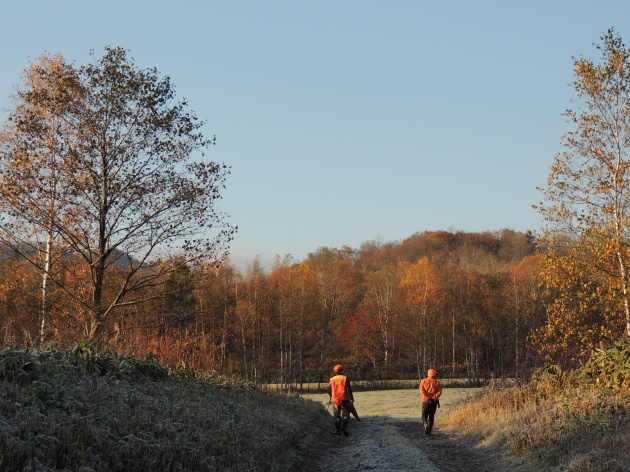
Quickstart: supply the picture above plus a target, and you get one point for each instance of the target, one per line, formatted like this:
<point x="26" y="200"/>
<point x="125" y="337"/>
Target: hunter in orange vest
<point x="341" y="396"/>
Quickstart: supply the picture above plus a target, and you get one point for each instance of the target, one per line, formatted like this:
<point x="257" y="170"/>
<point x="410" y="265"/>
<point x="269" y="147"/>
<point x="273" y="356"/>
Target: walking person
<point x="342" y="399"/>
<point x="430" y="389"/>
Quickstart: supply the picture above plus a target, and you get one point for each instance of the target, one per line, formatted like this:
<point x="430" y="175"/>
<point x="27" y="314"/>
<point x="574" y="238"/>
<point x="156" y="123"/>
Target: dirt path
<point x="390" y="437"/>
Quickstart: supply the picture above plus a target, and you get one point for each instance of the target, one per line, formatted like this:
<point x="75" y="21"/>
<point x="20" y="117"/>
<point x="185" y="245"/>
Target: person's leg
<point x="345" y="419"/>
<point x="425" y="415"/>
<point x="337" y="417"/>
<point x="431" y="414"/>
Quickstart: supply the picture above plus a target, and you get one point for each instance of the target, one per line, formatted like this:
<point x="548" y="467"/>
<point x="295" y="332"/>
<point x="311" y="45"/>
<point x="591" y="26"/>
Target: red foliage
<point x="361" y="335"/>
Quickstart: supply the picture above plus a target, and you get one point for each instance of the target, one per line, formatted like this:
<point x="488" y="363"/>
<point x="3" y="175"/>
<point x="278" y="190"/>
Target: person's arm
<point x="423" y="389"/>
<point x="438" y="391"/>
<point x="349" y="390"/>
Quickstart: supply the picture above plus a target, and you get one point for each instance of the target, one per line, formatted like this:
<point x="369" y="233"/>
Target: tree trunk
<point x="43" y="328"/>
<point x="96" y="314"/>
<point x="624" y="290"/>
<point x="454" y="361"/>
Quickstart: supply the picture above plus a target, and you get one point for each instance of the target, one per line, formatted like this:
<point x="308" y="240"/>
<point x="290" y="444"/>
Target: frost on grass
<point x="97" y="411"/>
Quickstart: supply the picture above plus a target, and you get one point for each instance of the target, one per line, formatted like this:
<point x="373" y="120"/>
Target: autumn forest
<point x="471" y="304"/>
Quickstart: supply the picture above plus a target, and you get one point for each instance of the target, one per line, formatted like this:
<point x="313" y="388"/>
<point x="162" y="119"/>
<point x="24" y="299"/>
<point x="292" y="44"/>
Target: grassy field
<point x="397" y="403"/>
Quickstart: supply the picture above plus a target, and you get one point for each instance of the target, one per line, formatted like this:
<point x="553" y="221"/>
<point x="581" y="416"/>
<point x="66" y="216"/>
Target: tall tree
<point x="522" y="298"/>
<point x="587" y="196"/>
<point x="361" y="335"/>
<point x="422" y="289"/>
<point x="135" y="182"/>
<point x="179" y="292"/>
<point x="280" y="281"/>
<point x="382" y="288"/>
<point x="255" y="300"/>
<point x="341" y="287"/>
<point x="307" y="307"/>
<point x="33" y="144"/>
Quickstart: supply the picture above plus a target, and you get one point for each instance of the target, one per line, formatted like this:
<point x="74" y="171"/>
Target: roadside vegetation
<point x="577" y="421"/>
<point x="92" y="410"/>
<point x="85" y="409"/>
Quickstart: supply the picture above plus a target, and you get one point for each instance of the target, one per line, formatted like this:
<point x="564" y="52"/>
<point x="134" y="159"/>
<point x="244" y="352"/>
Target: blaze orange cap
<point x="432" y="373"/>
<point x="337" y="368"/>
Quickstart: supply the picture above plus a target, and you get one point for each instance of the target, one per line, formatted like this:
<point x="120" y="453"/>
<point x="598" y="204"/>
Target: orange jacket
<point x="339" y="389"/>
<point x="430" y="388"/>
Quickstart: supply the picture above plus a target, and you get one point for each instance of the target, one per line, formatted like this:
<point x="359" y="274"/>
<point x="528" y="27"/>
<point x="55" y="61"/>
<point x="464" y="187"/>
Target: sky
<point x="346" y="122"/>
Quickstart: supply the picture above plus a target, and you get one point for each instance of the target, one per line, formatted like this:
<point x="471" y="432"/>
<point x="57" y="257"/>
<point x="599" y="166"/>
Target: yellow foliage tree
<point x="587" y="198"/>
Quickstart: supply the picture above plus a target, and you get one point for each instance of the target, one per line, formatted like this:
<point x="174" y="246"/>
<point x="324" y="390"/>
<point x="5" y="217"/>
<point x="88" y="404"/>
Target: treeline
<point x="465" y="303"/>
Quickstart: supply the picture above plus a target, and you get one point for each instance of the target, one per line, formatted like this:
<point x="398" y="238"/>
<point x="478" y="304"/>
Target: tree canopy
<point x="587" y="197"/>
<point x="108" y="163"/>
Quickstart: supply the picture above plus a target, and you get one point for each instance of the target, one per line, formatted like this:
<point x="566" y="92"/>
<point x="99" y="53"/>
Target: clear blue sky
<point x="349" y="121"/>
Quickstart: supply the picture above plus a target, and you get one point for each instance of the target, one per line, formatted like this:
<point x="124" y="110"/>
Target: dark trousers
<point x="428" y="410"/>
<point x="342" y="417"/>
<point x="428" y="414"/>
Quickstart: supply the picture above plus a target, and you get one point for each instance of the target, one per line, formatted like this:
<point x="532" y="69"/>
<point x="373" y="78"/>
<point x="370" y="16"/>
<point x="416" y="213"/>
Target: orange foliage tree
<point x="340" y="289"/>
<point x="34" y="145"/>
<point x="422" y="290"/>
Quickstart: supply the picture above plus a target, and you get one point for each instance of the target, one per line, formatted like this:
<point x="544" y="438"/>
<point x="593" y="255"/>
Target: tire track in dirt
<point x="449" y="453"/>
<point x="386" y="444"/>
<point x="391" y="437"/>
<point x="374" y="444"/>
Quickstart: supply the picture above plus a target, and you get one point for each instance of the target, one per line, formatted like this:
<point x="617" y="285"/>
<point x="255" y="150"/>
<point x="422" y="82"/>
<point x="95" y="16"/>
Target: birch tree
<point x="382" y="288"/>
<point x="33" y="145"/>
<point x="587" y="195"/>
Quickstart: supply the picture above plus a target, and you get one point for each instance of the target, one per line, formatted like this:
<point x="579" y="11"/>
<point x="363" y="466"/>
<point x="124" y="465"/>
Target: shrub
<point x="608" y="368"/>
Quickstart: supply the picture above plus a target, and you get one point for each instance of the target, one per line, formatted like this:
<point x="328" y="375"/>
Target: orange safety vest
<point x="338" y="391"/>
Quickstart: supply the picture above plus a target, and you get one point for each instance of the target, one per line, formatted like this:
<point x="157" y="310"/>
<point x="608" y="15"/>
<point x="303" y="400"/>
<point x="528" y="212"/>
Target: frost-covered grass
<point x="579" y="428"/>
<point x="576" y="421"/>
<point x="86" y="410"/>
